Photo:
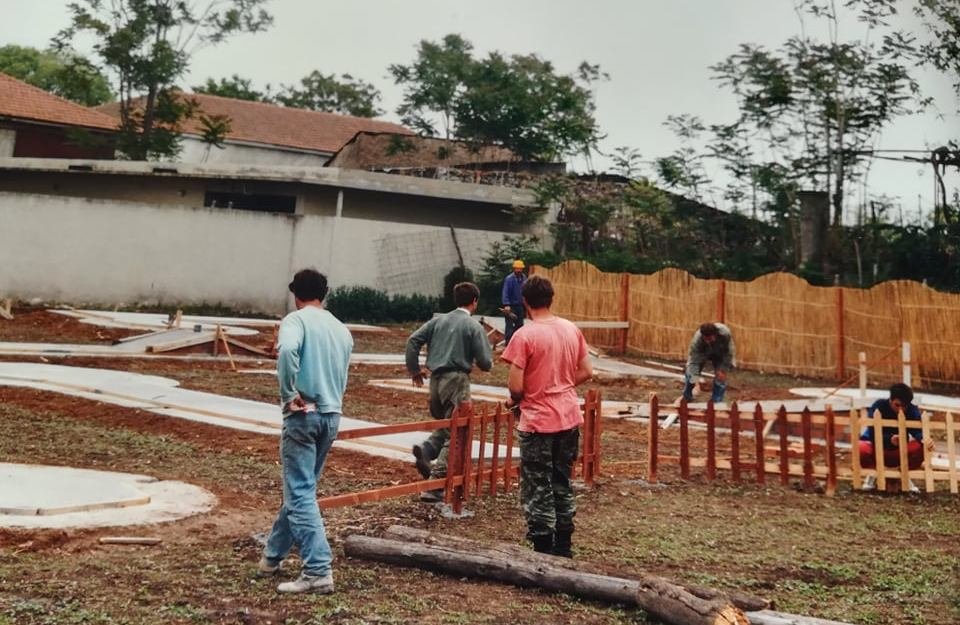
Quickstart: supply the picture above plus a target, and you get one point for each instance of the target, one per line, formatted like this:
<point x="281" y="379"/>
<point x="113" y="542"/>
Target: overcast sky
<point x="657" y="53"/>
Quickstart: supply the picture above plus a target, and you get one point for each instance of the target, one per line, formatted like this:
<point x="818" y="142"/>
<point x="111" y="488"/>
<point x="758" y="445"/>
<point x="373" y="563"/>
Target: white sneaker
<point x="308" y="583"/>
<point x="914" y="488"/>
<point x="870" y="482"/>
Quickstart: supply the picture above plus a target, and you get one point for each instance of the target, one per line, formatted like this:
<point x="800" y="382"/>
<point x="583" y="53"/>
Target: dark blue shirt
<point x="910" y="413"/>
<point x="512" y="286"/>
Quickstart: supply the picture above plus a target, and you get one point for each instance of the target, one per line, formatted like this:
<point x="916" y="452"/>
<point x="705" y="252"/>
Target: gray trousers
<point x="447" y="391"/>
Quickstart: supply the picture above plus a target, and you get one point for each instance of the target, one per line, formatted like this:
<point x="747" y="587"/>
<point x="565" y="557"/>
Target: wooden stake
<point x="711" y="442"/>
<point x="735" y="441"/>
<point x="129" y="540"/>
<point x="653" y="427"/>
<point x="758" y="428"/>
<point x="782" y="426"/>
<point x="831" y="451"/>
<point x="805" y="426"/>
<point x="902" y="448"/>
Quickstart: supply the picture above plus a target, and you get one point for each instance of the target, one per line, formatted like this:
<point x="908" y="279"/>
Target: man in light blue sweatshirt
<point x="313" y="356"/>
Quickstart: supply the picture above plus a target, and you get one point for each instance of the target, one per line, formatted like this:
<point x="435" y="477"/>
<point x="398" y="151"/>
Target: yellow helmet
<point x="518" y="264"/>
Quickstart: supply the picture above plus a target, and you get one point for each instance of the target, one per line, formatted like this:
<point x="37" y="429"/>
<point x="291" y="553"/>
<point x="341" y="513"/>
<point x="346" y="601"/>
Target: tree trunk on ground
<point x="510" y="563"/>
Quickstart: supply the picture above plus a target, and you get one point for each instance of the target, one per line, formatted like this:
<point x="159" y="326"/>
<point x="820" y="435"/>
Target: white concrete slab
<point x="237" y="325"/>
<point x="93" y="350"/>
<point x="162" y="396"/>
<point x="926" y="401"/>
<point x="39" y="496"/>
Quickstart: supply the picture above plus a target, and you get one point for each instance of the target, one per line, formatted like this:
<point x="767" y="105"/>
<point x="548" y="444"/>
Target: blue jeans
<point x="719" y="388"/>
<point x="304" y="443"/>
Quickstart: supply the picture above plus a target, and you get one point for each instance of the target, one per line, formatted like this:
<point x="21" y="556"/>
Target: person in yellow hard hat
<point x="513" y="300"/>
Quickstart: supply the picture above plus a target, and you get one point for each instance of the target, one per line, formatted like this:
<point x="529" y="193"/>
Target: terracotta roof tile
<point x="269" y="124"/>
<point x="22" y="101"/>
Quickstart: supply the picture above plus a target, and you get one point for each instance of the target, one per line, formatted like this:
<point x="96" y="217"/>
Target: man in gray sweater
<point x="455" y="341"/>
<point x="713" y="343"/>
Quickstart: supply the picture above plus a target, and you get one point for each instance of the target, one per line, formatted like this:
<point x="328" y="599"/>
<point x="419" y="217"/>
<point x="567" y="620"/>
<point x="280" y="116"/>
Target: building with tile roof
<point x="38" y="124"/>
<point x="267" y="134"/>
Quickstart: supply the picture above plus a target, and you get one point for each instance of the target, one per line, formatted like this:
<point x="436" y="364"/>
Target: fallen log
<point x="744" y="601"/>
<point x="668" y="602"/>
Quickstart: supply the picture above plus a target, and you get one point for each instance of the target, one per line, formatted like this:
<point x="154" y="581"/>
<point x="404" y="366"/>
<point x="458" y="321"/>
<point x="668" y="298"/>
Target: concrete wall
<point x="104" y="252"/>
<point x="195" y="151"/>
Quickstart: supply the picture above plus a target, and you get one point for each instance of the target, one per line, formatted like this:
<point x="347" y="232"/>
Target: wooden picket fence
<point x="466" y="478"/>
<point x="732" y="445"/>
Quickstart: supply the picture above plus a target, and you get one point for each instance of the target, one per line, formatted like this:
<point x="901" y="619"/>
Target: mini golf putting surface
<point x="41" y="496"/>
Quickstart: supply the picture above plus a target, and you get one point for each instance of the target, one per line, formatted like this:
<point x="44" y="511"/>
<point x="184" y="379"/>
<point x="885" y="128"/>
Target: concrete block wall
<point x="105" y="252"/>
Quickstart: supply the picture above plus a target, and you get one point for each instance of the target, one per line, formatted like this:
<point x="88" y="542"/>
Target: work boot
<point x="265" y="568"/>
<point x="542" y="543"/>
<point x="422" y="454"/>
<point x="432" y="496"/>
<point x="563" y="543"/>
<point x="322" y="585"/>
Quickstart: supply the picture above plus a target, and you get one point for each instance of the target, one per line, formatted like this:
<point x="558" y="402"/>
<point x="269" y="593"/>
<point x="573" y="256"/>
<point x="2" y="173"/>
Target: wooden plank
<point x="721" y="301"/>
<point x="684" y="440"/>
<point x="735" y="442"/>
<point x="653" y="428"/>
<point x="498" y="417"/>
<point x="597" y="432"/>
<point x="758" y="428"/>
<point x="807" y="450"/>
<point x="784" y="457"/>
<point x="379" y="494"/>
<point x="602" y="325"/>
<point x="508" y="460"/>
<point x="878" y="451"/>
<point x="855" y="448"/>
<point x="247" y="346"/>
<point x="831" y="453"/>
<point x="129" y="540"/>
<point x="952" y="451"/>
<point x="199" y="339"/>
<point x="902" y="450"/>
<point x="927" y="469"/>
<point x="467" y="463"/>
<point x="478" y="487"/>
<point x="711" y="443"/>
<point x="396" y="428"/>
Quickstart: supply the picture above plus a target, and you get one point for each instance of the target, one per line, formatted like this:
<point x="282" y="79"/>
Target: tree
<point x="818" y="106"/>
<point x="433" y="83"/>
<point x="524" y="105"/>
<point x="520" y="101"/>
<point x="147" y="45"/>
<point x="942" y="20"/>
<point x="234" y="87"/>
<point x="65" y="74"/>
<point x="325" y="92"/>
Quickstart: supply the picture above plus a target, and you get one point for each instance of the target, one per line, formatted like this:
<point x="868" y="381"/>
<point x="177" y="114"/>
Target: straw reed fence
<point x="780" y="323"/>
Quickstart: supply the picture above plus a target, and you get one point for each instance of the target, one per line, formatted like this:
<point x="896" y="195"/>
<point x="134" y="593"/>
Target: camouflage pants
<point x="546" y="461"/>
<point x="447" y="391"/>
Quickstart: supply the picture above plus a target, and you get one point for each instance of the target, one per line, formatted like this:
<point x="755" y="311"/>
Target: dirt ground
<point x="861" y="558"/>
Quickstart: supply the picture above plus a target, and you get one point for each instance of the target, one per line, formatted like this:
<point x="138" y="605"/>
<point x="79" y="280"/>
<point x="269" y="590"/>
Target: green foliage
<point x="234" y="87"/>
<point x="368" y="305"/>
<point x="942" y="51"/>
<point x="519" y="101"/>
<point x="454" y="277"/>
<point x="147" y="45"/>
<point x="345" y="95"/>
<point x="63" y="73"/>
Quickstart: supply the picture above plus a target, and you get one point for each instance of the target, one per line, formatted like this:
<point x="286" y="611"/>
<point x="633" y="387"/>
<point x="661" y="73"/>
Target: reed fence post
<point x="722" y="301"/>
<point x="652" y="439"/>
<point x="841" y="346"/>
<point x="624" y="310"/>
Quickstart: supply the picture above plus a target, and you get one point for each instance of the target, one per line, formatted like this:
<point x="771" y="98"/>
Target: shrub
<point x="362" y="304"/>
<point x="457" y="275"/>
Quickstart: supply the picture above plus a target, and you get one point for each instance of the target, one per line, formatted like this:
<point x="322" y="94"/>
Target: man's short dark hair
<point x="538" y="292"/>
<point x="709" y="329"/>
<point x="902" y="392"/>
<point x="308" y="285"/>
<point x="465" y="293"/>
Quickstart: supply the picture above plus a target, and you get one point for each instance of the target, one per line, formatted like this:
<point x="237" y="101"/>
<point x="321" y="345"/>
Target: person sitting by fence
<point x="900" y="400"/>
<point x="711" y="342"/>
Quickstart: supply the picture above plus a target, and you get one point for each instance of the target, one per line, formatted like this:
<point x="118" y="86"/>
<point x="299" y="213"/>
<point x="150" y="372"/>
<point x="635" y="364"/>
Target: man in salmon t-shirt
<point x="548" y="358"/>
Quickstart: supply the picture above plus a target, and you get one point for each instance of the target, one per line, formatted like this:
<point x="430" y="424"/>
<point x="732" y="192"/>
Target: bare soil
<point x="852" y="557"/>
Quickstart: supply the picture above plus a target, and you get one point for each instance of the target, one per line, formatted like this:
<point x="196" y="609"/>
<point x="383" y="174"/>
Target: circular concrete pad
<point x="38" y="496"/>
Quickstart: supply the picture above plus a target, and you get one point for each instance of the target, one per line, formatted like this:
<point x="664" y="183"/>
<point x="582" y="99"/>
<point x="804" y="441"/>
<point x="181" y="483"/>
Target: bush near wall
<point x="361" y="304"/>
